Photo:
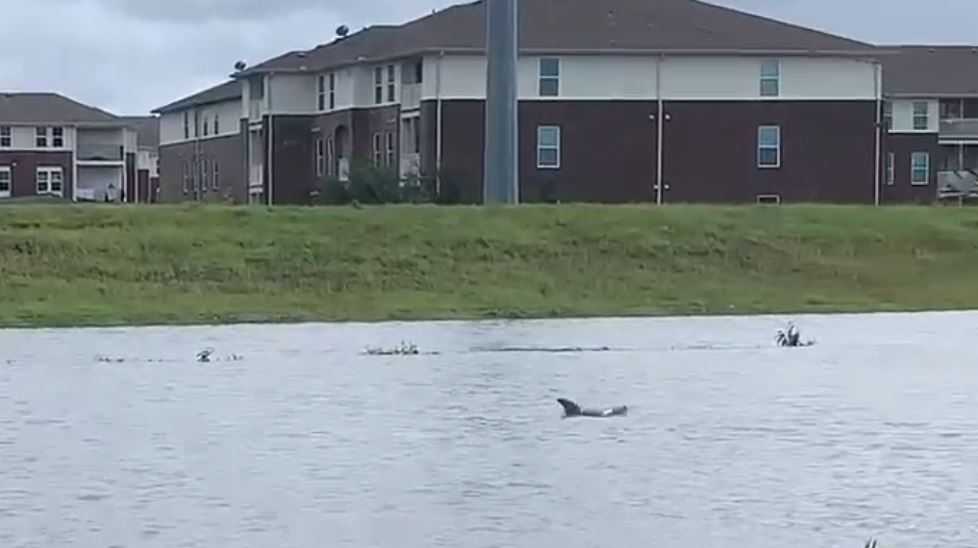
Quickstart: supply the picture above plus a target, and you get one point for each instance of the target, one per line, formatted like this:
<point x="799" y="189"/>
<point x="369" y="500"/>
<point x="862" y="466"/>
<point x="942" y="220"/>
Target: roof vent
<point x="302" y="55"/>
<point x="342" y="31"/>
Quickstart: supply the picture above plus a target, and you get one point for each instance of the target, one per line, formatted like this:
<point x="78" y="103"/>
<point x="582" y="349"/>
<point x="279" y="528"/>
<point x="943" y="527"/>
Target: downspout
<point x="438" y="111"/>
<point x="878" y="92"/>
<point x="269" y="138"/>
<point x="660" y="122"/>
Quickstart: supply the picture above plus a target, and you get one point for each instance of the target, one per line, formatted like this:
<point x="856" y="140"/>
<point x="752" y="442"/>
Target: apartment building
<point x="147" y="156"/>
<point x="931" y="123"/>
<point x="51" y="145"/>
<point x="619" y="101"/>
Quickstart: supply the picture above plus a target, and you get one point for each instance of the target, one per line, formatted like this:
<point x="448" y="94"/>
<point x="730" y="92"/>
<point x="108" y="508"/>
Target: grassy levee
<point x="112" y="265"/>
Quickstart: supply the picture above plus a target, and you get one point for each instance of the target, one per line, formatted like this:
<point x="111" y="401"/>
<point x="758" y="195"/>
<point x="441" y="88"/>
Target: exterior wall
<point x="608" y="151"/>
<point x="328" y="125"/>
<point x="292" y="94"/>
<point x="902" y="146"/>
<point x="903" y="116"/>
<point x="683" y="78"/>
<point x="293" y="180"/>
<point x="24" y="170"/>
<point x="367" y="123"/>
<point x="23" y="138"/>
<point x="345" y="90"/>
<point x="228" y="113"/>
<point x="97" y="183"/>
<point x="226" y="151"/>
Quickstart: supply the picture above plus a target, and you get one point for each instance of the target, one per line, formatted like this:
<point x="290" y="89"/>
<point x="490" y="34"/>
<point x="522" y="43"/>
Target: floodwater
<point x="292" y="437"/>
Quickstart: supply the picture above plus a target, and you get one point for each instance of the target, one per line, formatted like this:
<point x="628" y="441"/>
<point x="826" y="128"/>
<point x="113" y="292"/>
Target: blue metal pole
<point x="501" y="179"/>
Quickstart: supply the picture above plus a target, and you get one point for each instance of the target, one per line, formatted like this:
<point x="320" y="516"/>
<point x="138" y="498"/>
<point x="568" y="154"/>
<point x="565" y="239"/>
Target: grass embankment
<point x="102" y="265"/>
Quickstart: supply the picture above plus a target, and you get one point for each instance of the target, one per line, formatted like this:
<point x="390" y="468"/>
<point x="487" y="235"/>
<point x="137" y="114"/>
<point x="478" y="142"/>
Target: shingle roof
<point x="147" y="128"/>
<point x="48" y="108"/>
<point x="223" y="92"/>
<point x="931" y="71"/>
<point x="681" y="26"/>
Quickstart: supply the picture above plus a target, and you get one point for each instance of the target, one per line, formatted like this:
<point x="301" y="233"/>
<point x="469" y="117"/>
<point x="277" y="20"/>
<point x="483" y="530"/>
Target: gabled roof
<point x="223" y="92"/>
<point x="147" y="128"/>
<point x="49" y="108"/>
<point x="571" y="26"/>
<point x="931" y="71"/>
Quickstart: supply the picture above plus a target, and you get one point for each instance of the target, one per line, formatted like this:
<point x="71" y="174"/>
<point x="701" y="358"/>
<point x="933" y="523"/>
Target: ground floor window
<point x="216" y="176"/>
<point x="890" y="168"/>
<point x="769" y="146"/>
<point x="920" y="168"/>
<point x="378" y="149"/>
<point x="320" y="158"/>
<point x="330" y="156"/>
<point x="391" y="161"/>
<point x="6" y="181"/>
<point x="548" y="147"/>
<point x="50" y="180"/>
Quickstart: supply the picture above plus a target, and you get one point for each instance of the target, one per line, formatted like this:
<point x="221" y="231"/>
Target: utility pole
<point x="501" y="178"/>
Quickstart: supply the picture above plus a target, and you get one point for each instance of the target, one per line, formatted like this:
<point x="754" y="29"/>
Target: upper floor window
<point x="320" y="158"/>
<point x="549" y="77"/>
<point x="378" y="85"/>
<point x="41" y="137"/>
<point x="770" y="78"/>
<point x="391" y="161"/>
<point x="390" y="84"/>
<point x="215" y="176"/>
<point x="769" y="146"/>
<point x="186" y="125"/>
<point x="332" y="90"/>
<point x="887" y="115"/>
<point x="207" y="127"/>
<point x="378" y="149"/>
<point x="6" y="137"/>
<point x="217" y="124"/>
<point x="920" y="116"/>
<point x="321" y="93"/>
<point x="419" y="72"/>
<point x="58" y="137"/>
<point x="548" y="147"/>
<point x="952" y="109"/>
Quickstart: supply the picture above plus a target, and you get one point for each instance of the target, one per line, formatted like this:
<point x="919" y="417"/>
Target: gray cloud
<point x="129" y="56"/>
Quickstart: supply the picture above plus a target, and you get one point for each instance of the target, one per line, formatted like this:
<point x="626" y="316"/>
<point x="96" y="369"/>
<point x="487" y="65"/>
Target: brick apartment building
<point x="615" y="97"/>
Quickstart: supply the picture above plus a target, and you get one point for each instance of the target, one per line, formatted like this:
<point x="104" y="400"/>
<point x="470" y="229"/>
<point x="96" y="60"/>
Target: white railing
<point x="410" y="164"/>
<point x="961" y="128"/>
<point x="254" y="176"/>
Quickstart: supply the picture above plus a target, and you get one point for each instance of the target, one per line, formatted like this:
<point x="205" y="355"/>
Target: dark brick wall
<point x="902" y="145"/>
<point x="226" y="151"/>
<point x="24" y="170"/>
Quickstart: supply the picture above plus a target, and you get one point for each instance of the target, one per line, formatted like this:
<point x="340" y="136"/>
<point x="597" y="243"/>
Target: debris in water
<point x="403" y="350"/>
<point x="792" y="337"/>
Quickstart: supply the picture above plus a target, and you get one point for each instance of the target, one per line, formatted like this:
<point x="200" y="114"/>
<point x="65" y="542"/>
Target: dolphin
<point x="571" y="409"/>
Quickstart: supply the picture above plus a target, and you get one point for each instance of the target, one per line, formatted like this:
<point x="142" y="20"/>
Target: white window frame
<point x="391" y="84"/>
<point x="49" y="172"/>
<point x="41" y="137"/>
<point x="378" y="85"/>
<point x="6" y="137"/>
<point x="541" y="147"/>
<point x="330" y="155"/>
<point x="541" y="77"/>
<point x="332" y="91"/>
<point x="888" y="115"/>
<point x="207" y="127"/>
<point x="57" y="141"/>
<point x="217" y="124"/>
<point x="761" y="146"/>
<point x="186" y="124"/>
<point x="215" y="176"/>
<point x="890" y="169"/>
<point x="913" y="168"/>
<point x="321" y="93"/>
<point x="320" y="157"/>
<point x="378" y="149"/>
<point x="767" y="63"/>
<point x="925" y="116"/>
<point x="390" y="150"/>
<point x="8" y="172"/>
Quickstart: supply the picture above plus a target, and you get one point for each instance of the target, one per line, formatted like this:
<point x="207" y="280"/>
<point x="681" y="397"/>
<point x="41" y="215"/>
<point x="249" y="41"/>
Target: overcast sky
<point x="129" y="56"/>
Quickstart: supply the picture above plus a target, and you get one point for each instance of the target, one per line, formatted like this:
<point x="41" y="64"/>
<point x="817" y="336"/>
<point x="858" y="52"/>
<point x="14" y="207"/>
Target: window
<point x="890" y="169"/>
<point x="58" y="137"/>
<point x="215" y="176"/>
<point x="320" y="158"/>
<point x="186" y="125"/>
<point x="321" y="93"/>
<point x="203" y="175"/>
<point x="378" y="85"/>
<point x="770" y="78"/>
<point x="378" y="151"/>
<point x="6" y="181"/>
<point x="217" y="124"/>
<point x="887" y="115"/>
<point x="390" y="84"/>
<point x="332" y="91"/>
<point x="549" y="77"/>
<point x="207" y="127"/>
<point x="919" y="168"/>
<point x="196" y="124"/>
<point x="952" y="109"/>
<point x="548" y="147"/>
<point x="391" y="161"/>
<point x="50" y="180"/>
<point x="330" y="155"/>
<point x="419" y="72"/>
<point x="769" y="146"/>
<point x="186" y="177"/>
<point x="920" y="119"/>
<point x="6" y="138"/>
<point x="42" y="137"/>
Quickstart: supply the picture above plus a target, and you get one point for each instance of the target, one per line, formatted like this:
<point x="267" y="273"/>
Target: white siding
<point x="131" y="139"/>
<point x="171" y="127"/>
<point x="23" y="138"/>
<point x="94" y="183"/>
<point x="292" y="94"/>
<point x="903" y="116"/>
<point x="683" y="78"/>
<point x="229" y="112"/>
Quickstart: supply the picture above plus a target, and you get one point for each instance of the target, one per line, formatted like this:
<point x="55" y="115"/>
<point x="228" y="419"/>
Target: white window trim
<point x="541" y="147"/>
<point x="331" y="88"/>
<point x="391" y="88"/>
<point x="890" y="169"/>
<point x="41" y="132"/>
<point x="53" y="137"/>
<point x="49" y="170"/>
<point x="378" y="149"/>
<point x="330" y="155"/>
<point x="914" y="117"/>
<point x="215" y="176"/>
<point x="320" y="157"/>
<point x="760" y="146"/>
<point x="926" y="181"/>
<point x="9" y="136"/>
<point x="10" y="181"/>
<point x="763" y="78"/>
<point x="379" y="85"/>
<point x="321" y="93"/>
<point x="541" y="78"/>
<point x="390" y="149"/>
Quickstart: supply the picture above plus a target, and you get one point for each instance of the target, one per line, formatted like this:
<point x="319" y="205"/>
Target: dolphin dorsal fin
<point x="570" y="408"/>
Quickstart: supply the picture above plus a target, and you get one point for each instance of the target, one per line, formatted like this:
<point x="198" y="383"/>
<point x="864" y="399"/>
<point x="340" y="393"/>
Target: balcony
<point x="410" y="96"/>
<point x="957" y="184"/>
<point x="99" y="153"/>
<point x="959" y="130"/>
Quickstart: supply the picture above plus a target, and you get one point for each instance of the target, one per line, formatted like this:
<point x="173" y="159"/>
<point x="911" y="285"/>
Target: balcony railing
<point x="958" y="183"/>
<point x="964" y="129"/>
<point x="91" y="152"/>
<point x="410" y="96"/>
